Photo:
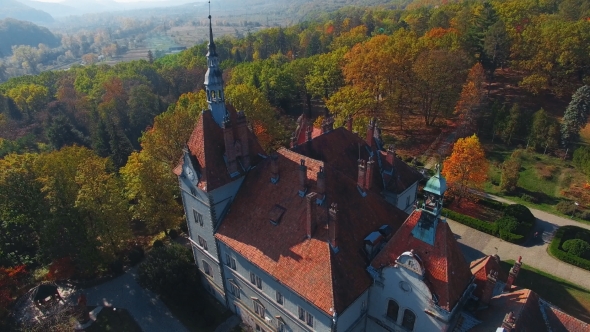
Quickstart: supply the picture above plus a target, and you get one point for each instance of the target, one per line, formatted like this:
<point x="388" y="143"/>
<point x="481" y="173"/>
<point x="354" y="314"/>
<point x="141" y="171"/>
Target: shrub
<point x="184" y="227"/>
<point x="582" y="159"/>
<point x="521" y="213"/>
<point x="158" y="244"/>
<point x="135" y="255"/>
<point x="583" y="235"/>
<point x="173" y="234"/>
<point x="554" y="250"/>
<point x="528" y="198"/>
<point x="576" y="247"/>
<point x="480" y="225"/>
<point x="507" y="224"/>
<point x="117" y="266"/>
<point x="170" y="271"/>
<point x="584" y="215"/>
<point x="565" y="207"/>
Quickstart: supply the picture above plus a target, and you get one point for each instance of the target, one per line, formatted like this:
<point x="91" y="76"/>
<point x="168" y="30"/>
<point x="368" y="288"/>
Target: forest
<point x="87" y="153"/>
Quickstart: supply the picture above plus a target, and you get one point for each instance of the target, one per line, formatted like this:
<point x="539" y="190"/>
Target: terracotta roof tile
<point x="480" y="269"/>
<point x="207" y="146"/>
<point x="403" y="175"/>
<point x="307" y="266"/>
<point x="446" y="268"/>
<point x="561" y="321"/>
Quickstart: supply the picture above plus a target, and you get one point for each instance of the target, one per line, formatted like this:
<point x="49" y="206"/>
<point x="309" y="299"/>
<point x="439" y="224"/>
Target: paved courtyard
<point x="476" y="244"/>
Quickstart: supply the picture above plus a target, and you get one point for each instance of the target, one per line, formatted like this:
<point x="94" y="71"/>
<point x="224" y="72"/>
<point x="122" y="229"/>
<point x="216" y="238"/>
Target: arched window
<point x="213" y="95"/>
<point x="208" y="95"/>
<point x="409" y="319"/>
<point x="220" y="95"/>
<point x="392" y="310"/>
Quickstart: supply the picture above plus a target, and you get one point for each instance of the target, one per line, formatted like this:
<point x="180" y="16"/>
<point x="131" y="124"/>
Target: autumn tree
<point x="512" y="123"/>
<point x="438" y="75"/>
<point x="472" y="96"/>
<point x="467" y="167"/>
<point x="511" y="172"/>
<point x="575" y="116"/>
<point x="351" y="102"/>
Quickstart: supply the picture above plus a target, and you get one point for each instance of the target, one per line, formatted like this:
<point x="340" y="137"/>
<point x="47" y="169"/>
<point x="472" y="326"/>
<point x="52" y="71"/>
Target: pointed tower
<point x="214" y="82"/>
<point x="426" y="227"/>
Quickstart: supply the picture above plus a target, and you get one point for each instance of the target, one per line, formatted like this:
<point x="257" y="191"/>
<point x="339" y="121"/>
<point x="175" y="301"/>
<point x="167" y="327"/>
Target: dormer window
<point x="198" y="217"/>
<point x="275" y="214"/>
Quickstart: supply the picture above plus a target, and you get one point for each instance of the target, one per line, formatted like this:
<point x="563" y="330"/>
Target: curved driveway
<point x="476" y="244"/>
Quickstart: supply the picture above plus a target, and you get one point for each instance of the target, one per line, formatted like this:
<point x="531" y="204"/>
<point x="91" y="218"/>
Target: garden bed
<point x="564" y="234"/>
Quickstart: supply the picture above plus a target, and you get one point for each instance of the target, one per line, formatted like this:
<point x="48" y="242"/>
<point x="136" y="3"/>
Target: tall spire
<point x="214" y="80"/>
<point x="212" y="50"/>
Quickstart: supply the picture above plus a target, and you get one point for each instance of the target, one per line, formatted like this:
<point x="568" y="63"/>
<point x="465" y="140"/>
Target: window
<point x="255" y="280"/>
<point x="234" y="289"/>
<point x="279" y="298"/>
<point x="202" y="242"/>
<point x="258" y="308"/>
<point x="198" y="217"/>
<point x="305" y="316"/>
<point x="392" y="310"/>
<point x="230" y="261"/>
<point x="409" y="319"/>
<point x="207" y="269"/>
<point x="281" y="326"/>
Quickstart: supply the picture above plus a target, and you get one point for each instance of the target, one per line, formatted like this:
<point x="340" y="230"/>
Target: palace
<point x="328" y="236"/>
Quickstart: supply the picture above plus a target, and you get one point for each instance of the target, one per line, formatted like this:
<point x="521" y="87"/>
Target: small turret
<point x="434" y="191"/>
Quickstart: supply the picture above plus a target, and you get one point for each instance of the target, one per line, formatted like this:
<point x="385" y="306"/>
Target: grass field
<point x="567" y="296"/>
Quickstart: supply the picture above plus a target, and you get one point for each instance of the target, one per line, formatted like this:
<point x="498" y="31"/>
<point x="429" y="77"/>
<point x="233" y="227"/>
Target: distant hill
<point x="16" y="10"/>
<point x="53" y="8"/>
<point x="14" y="32"/>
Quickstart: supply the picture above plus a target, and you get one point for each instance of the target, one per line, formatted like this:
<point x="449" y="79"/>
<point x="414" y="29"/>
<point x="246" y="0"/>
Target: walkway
<point x="148" y="311"/>
<point x="476" y="244"/>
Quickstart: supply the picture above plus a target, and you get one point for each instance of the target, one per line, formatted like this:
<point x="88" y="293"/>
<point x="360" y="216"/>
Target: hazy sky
<point x="185" y="1"/>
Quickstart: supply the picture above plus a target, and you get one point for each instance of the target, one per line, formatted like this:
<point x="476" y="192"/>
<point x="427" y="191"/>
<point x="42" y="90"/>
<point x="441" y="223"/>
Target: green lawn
<point x="541" y="176"/>
<point x="115" y="320"/>
<point x="571" y="298"/>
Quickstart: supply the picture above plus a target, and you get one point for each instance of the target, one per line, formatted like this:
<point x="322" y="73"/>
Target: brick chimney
<point x="332" y="226"/>
<point x="230" y="150"/>
<point x="508" y="323"/>
<point x="302" y="178"/>
<point x="349" y="123"/>
<point x="390" y="154"/>
<point x="321" y="183"/>
<point x="361" y="175"/>
<point x="274" y="168"/>
<point x="513" y="274"/>
<point x="369" y="174"/>
<point x="371" y="131"/>
<point x="243" y="131"/>
<point x="310" y="213"/>
<point x="308" y="132"/>
<point x="488" y="290"/>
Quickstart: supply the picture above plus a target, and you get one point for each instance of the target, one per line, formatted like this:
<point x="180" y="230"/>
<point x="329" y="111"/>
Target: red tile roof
<point x="560" y="321"/>
<point x="403" y="176"/>
<point x="480" y="269"/>
<point x="307" y="266"/>
<point x="446" y="268"/>
<point x="207" y="147"/>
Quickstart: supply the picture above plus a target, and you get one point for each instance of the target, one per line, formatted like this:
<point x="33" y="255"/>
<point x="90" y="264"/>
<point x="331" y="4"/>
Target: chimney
<point x="302" y="178"/>
<point x="332" y="224"/>
<point x="309" y="219"/>
<point x="308" y="133"/>
<point x="321" y="184"/>
<point x="243" y="131"/>
<point x="361" y="175"/>
<point x="488" y="290"/>
<point x="508" y="323"/>
<point x="513" y="274"/>
<point x="371" y="131"/>
<point x="274" y="168"/>
<point x="230" y="151"/>
<point x="390" y="154"/>
<point x="369" y="174"/>
<point x="349" y="123"/>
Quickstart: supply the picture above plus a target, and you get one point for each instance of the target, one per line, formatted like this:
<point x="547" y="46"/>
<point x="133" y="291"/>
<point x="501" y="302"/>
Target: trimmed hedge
<point x="480" y="225"/>
<point x="556" y="251"/>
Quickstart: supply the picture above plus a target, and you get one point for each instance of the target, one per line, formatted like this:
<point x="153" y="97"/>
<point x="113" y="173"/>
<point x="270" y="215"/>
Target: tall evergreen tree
<point x="576" y="116"/>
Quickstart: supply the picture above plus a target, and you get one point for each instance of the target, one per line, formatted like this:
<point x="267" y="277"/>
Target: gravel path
<point x="149" y="312"/>
<point x="476" y="244"/>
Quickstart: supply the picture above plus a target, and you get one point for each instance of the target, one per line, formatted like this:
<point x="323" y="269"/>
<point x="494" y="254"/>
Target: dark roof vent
<point x="276" y="213"/>
<point x="385" y="230"/>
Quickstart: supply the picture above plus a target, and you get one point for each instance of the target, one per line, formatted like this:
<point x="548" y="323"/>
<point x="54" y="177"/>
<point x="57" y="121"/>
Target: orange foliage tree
<point x="467" y="167"/>
<point x="471" y="98"/>
<point x="12" y="284"/>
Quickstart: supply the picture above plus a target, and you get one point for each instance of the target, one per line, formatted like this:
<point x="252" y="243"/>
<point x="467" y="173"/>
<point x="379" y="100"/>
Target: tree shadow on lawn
<point x="540" y="197"/>
<point x="571" y="298"/>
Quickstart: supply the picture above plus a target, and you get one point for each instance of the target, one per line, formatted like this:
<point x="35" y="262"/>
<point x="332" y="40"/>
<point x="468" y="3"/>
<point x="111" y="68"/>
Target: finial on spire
<point x="212" y="50"/>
